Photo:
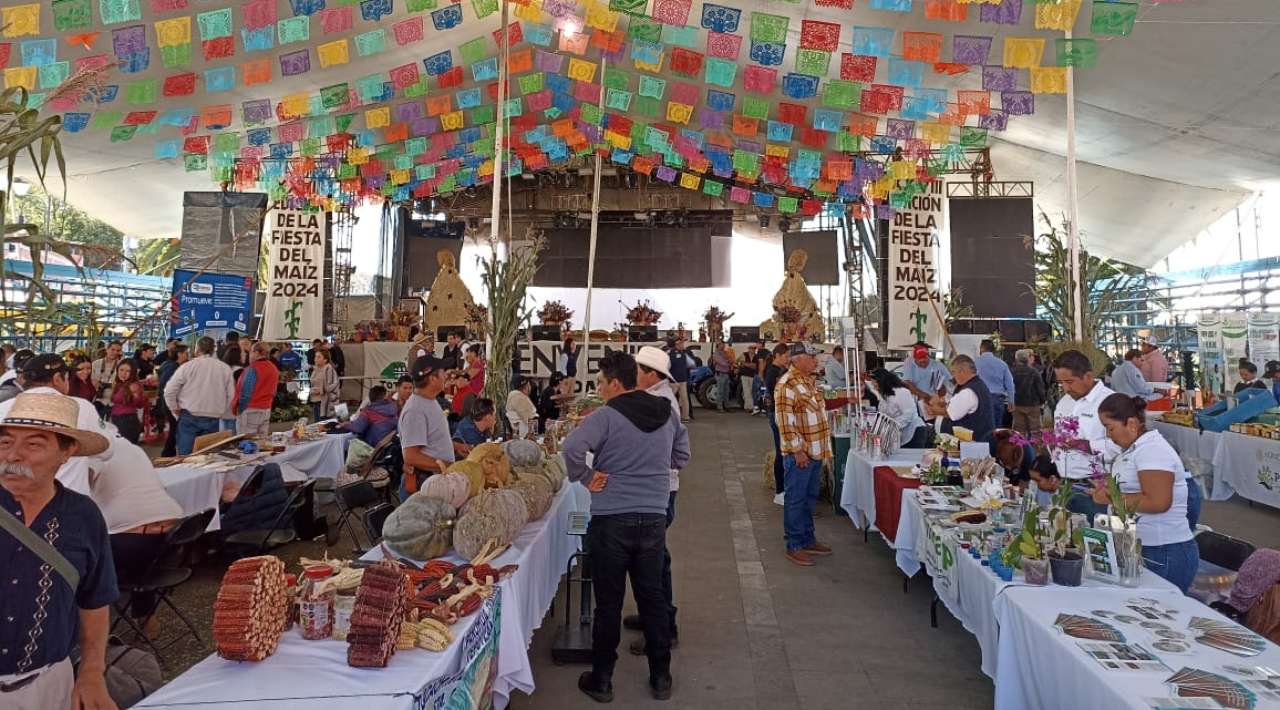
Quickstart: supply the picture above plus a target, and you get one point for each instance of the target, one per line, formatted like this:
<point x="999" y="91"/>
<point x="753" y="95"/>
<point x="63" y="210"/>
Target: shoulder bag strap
<point x="41" y="547"/>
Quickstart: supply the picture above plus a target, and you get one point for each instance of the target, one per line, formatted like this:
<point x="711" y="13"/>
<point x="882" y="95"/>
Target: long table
<point x="1044" y="669"/>
<point x="1248" y="465"/>
<point x="311" y="674"/>
<point x="1189" y="441"/>
<point x="967" y="587"/>
<point x="858" y="497"/>
<point x="199" y="488"/>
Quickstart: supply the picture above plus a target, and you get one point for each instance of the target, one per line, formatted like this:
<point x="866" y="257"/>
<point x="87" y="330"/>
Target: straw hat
<point x="53" y="413"/>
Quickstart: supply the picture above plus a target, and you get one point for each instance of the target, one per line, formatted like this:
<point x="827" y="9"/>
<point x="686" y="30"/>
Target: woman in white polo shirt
<point x="1154" y="483"/>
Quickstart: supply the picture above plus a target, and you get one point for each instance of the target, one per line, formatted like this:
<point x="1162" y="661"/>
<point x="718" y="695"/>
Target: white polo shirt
<point x="1152" y="453"/>
<point x="1074" y="464"/>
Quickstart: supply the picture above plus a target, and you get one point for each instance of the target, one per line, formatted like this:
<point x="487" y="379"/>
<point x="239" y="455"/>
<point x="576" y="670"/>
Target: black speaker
<point x="961" y="326"/>
<point x="744" y="334"/>
<point x="642" y="333"/>
<point x="547" y="332"/>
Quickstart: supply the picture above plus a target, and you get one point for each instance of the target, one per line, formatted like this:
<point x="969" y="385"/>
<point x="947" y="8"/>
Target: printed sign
<point x="1212" y="362"/>
<point x="210" y="302"/>
<point x="1235" y="341"/>
<point x="1264" y="338"/>
<point x="296" y="244"/>
<point x="916" y="234"/>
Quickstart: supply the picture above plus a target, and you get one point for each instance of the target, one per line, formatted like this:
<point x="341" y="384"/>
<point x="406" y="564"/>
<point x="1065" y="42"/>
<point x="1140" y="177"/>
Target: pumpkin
<point x="474" y="529"/>
<point x="474" y="472"/>
<point x="497" y="468"/>
<point x="523" y="453"/>
<point x="515" y="512"/>
<point x="421" y="528"/>
<point x="553" y="470"/>
<point x="537" y="496"/>
<point x="452" y="487"/>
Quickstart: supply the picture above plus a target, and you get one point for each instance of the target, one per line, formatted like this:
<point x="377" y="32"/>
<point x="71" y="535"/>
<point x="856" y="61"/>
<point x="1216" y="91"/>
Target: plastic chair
<point x="161" y="579"/>
<point x="281" y="531"/>
<point x="1223" y="550"/>
<point x="350" y="498"/>
<point x="374" y="518"/>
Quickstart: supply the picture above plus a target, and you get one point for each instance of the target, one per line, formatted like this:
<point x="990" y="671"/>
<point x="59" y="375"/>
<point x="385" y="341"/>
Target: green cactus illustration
<point x="293" y="319"/>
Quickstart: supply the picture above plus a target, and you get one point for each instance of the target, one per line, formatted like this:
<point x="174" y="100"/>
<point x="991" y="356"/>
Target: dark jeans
<point x="1176" y="562"/>
<point x="133" y="554"/>
<point x="129" y="426"/>
<point x="777" y="453"/>
<point x="999" y="409"/>
<point x="189" y="427"/>
<point x="920" y="439"/>
<point x="667" y="590"/>
<point x="621" y="546"/>
<point x="170" y="439"/>
<point x="1195" y="498"/>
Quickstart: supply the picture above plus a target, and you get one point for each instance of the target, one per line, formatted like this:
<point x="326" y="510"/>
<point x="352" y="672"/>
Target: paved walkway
<point x="757" y="631"/>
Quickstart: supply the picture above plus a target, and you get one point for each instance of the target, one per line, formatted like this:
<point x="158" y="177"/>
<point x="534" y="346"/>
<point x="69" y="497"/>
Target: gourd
<point x="553" y="470"/>
<point x="421" y="528"/>
<point x="523" y="453"/>
<point x="537" y="495"/>
<point x="474" y="472"/>
<point x="474" y="529"/>
<point x="453" y="487"/>
<point x="515" y="511"/>
<point x="497" y="469"/>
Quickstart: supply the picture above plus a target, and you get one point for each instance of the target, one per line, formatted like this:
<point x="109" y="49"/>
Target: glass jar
<point x="315" y="611"/>
<point x="343" y="604"/>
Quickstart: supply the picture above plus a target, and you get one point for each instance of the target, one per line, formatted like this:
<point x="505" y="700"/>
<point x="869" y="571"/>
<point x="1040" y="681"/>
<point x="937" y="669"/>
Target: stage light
<point x="784" y="225"/>
<point x="764" y="221"/>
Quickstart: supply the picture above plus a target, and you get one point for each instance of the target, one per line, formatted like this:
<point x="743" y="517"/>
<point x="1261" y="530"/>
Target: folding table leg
<point x="933" y="612"/>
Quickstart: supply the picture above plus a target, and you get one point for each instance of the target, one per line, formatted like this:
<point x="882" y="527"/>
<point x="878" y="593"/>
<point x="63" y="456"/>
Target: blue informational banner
<point x="210" y="302"/>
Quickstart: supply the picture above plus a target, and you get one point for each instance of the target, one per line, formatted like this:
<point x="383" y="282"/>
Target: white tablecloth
<point x="968" y="588"/>
<point x="858" y="497"/>
<point x="1248" y="465"/>
<point x="1041" y="668"/>
<point x="199" y="488"/>
<point x="1189" y="441"/>
<point x="303" y="671"/>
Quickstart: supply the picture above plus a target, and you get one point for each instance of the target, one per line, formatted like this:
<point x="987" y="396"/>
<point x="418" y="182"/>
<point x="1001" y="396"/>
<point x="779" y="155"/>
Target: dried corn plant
<point x="506" y="283"/>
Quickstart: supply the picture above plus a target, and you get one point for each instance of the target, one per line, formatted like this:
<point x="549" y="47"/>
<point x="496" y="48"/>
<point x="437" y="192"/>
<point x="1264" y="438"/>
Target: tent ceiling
<point x="1176" y="124"/>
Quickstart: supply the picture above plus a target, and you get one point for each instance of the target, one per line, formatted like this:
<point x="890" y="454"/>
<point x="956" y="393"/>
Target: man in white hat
<point x="1153" y="364"/>
<point x="55" y="563"/>
<point x="48" y="374"/>
<point x="653" y="375"/>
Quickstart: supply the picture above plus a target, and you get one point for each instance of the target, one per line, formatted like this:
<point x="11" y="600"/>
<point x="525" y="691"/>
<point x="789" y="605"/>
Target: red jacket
<point x="262" y="378"/>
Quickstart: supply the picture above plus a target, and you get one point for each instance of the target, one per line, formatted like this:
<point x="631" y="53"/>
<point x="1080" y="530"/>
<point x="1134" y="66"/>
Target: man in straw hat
<point x="55" y="562"/>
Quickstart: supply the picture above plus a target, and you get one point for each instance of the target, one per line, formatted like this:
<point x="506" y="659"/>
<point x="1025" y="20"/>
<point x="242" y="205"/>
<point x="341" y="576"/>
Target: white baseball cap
<point x="654" y="359"/>
<point x="1152" y="341"/>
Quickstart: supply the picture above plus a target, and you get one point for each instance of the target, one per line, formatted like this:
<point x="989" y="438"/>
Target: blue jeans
<point x="999" y="405"/>
<point x="722" y="389"/>
<point x="757" y="392"/>
<point x="228" y="425"/>
<point x="1176" y="562"/>
<point x="1194" y="500"/>
<point x="801" y="489"/>
<point x="778" y="472"/>
<point x="189" y="427"/>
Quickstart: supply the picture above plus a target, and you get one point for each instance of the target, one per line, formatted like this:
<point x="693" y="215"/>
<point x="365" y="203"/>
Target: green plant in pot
<point x="1064" y="558"/>
<point x="1123" y="524"/>
<point x="1027" y="551"/>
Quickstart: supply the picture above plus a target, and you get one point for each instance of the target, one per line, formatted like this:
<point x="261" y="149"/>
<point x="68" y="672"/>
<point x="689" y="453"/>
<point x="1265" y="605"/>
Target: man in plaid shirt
<point x="805" y="442"/>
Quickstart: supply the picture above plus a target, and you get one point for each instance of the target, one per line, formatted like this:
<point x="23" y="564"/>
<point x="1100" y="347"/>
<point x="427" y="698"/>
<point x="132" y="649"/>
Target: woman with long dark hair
<point x="127" y="402"/>
<point x="897" y="402"/>
<point x="1155" y="486"/>
<point x="80" y="384"/>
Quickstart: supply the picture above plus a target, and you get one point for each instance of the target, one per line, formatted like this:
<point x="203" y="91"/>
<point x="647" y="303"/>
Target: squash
<point x="553" y="470"/>
<point x="474" y="529"/>
<point x="474" y="472"/>
<point x="537" y="495"/>
<point x="497" y="469"/>
<point x="515" y="512"/>
<point x="523" y="453"/>
<point x="421" y="528"/>
<point x="453" y="487"/>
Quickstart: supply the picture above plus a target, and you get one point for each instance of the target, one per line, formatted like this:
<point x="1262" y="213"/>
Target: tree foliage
<point x="73" y="225"/>
<point x="156" y="257"/>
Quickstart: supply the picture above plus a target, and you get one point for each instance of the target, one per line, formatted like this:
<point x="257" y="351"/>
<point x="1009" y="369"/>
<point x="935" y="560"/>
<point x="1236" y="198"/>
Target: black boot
<point x="599" y="690"/>
<point x="660" y="686"/>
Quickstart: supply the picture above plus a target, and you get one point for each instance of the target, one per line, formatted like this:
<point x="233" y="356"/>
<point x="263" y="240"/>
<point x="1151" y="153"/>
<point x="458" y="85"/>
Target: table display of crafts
<point x="474" y="510"/>
<point x="874" y="434"/>
<point x="1146" y="636"/>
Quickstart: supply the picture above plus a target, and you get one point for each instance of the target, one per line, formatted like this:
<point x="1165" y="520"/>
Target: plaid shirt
<point x="802" y="416"/>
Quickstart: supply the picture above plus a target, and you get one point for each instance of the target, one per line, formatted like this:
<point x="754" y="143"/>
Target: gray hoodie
<point x="635" y="439"/>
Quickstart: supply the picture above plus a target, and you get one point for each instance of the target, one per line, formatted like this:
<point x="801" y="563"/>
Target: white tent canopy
<point x="1176" y="125"/>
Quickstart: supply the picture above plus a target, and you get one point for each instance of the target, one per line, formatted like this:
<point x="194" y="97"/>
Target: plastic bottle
<point x="315" y="611"/>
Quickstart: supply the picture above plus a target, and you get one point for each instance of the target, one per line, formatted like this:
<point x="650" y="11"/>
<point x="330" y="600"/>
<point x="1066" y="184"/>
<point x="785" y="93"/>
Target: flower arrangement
<point x="643" y="314"/>
<point x="477" y="320"/>
<point x="713" y="314"/>
<point x="554" y="313"/>
<point x="1062" y="439"/>
<point x="788" y="314"/>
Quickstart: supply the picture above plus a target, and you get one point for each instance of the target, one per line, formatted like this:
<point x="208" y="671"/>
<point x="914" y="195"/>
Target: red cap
<point x="919" y="351"/>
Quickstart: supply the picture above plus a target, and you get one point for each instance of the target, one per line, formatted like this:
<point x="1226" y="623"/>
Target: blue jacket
<point x="257" y="510"/>
<point x="375" y="421"/>
<point x="290" y="360"/>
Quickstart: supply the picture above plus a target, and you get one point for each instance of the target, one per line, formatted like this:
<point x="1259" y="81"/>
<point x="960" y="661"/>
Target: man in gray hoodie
<point x="635" y="442"/>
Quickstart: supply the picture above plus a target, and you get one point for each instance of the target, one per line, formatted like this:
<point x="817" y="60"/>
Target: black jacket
<point x="1028" y="386"/>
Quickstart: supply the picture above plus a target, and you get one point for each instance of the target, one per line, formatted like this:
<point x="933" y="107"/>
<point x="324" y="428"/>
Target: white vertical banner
<point x="1264" y="338"/>
<point x="296" y="243"/>
<point x="1235" y="343"/>
<point x="1212" y="364"/>
<point x="917" y="234"/>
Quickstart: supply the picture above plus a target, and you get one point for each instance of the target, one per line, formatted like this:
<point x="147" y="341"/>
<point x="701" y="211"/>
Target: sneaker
<point x="780" y="499"/>
<point x="660" y="686"/>
<point x="597" y="690"/>
<point x="800" y="557"/>
<point x="818" y="548"/>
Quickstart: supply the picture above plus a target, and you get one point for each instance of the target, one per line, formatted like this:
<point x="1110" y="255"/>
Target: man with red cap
<point x="923" y="375"/>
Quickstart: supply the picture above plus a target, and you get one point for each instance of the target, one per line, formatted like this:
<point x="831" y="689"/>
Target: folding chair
<point x="161" y="579"/>
<point x="349" y="499"/>
<point x="1223" y="550"/>
<point x="281" y="531"/>
<point x="374" y="518"/>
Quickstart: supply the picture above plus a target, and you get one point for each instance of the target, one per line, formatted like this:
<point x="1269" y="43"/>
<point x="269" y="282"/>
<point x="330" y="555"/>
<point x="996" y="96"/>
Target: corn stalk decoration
<point x="1104" y="284"/>
<point x="506" y="283"/>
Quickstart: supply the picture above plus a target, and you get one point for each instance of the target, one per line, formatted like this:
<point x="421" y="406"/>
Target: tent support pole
<point x="1073" y="201"/>
<point x="595" y="226"/>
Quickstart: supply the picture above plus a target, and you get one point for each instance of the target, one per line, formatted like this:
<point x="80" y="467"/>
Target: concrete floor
<point x="756" y="630"/>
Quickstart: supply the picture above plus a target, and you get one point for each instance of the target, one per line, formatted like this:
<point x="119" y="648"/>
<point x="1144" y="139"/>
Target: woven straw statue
<point x="795" y="313"/>
<point x="447" y="303"/>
